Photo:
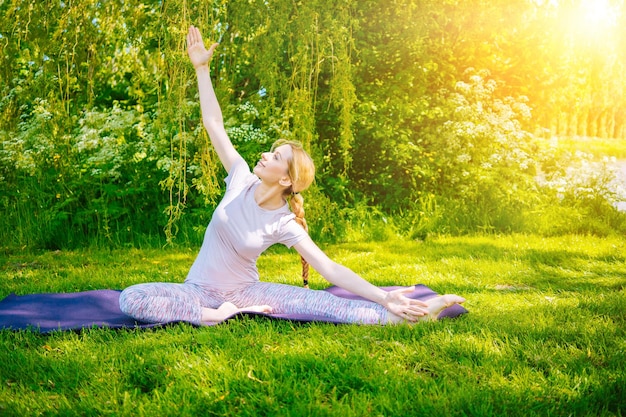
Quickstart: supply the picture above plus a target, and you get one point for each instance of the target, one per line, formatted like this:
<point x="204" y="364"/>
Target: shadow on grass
<point x="537" y="268"/>
<point x="474" y="250"/>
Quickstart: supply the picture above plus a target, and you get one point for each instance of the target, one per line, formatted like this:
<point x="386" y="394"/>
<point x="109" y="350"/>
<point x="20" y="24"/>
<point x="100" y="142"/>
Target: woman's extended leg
<point x="164" y="302"/>
<point x="288" y="299"/>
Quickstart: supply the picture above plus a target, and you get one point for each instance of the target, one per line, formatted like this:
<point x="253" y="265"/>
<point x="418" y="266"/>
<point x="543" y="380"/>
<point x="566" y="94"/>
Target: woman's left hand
<point x="407" y="308"/>
<point x="198" y="54"/>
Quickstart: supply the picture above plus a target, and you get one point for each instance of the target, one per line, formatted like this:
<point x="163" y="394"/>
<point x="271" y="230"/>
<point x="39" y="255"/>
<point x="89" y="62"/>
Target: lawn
<point x="545" y="335"/>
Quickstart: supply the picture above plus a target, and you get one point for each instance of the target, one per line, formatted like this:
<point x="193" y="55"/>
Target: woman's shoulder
<point x="240" y="175"/>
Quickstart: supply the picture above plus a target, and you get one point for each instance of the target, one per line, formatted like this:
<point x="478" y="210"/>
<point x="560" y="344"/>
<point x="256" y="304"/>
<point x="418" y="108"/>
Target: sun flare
<point x="596" y="14"/>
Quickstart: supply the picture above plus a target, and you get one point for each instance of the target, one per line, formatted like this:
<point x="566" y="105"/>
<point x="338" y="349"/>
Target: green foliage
<point x="581" y="193"/>
<point x="101" y="149"/>
<point x="102" y="141"/>
<point x="484" y="157"/>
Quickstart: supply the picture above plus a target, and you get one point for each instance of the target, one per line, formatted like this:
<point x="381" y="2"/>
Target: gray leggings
<point x="163" y="302"/>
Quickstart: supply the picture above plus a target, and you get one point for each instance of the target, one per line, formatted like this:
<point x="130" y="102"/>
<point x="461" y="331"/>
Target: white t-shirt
<point x="239" y="232"/>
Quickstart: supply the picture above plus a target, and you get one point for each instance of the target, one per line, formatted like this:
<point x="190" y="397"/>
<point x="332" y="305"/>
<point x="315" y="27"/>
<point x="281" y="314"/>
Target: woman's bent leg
<point x="288" y="299"/>
<point x="164" y="302"/>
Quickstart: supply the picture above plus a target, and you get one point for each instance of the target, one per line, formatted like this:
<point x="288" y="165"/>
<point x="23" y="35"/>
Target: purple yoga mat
<point x="100" y="308"/>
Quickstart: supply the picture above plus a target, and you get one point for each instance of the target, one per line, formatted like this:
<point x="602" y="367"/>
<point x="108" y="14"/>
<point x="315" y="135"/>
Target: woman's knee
<point x="128" y="298"/>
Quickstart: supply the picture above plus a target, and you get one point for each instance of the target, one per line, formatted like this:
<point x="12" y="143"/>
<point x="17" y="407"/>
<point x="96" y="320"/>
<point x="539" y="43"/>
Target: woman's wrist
<point x="378" y="295"/>
<point x="202" y="67"/>
<point x="384" y="300"/>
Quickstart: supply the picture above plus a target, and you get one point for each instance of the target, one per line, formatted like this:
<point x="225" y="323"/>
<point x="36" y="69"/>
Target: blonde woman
<point x="261" y="208"/>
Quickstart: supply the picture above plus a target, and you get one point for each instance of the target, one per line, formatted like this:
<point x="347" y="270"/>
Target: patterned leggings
<point x="162" y="302"/>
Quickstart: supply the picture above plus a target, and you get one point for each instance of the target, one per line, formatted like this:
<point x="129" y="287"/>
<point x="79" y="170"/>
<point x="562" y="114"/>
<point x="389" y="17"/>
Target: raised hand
<point x="198" y="54"/>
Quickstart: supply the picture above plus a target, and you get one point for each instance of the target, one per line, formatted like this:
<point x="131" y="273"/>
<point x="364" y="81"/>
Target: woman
<point x="259" y="209"/>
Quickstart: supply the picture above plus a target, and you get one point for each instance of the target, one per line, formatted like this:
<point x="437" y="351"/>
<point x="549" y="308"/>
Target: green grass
<point x="545" y="336"/>
<point x="599" y="147"/>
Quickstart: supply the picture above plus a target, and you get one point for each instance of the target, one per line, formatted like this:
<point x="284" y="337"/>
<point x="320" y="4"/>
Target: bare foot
<point x="438" y="304"/>
<point x="258" y="309"/>
<point x="227" y="310"/>
<point x="434" y="306"/>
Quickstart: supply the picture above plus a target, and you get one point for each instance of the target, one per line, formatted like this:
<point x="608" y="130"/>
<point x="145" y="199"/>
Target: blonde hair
<point x="301" y="169"/>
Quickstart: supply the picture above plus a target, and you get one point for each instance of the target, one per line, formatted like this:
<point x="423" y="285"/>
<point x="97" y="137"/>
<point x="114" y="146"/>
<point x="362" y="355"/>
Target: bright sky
<point x="596" y="14"/>
<point x="591" y="14"/>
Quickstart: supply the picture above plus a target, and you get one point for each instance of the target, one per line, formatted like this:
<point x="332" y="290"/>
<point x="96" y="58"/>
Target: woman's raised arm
<point x="211" y="112"/>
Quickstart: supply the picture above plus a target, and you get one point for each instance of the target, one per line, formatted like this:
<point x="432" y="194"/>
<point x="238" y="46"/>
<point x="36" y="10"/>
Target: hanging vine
<point x="342" y="92"/>
<point x="189" y="144"/>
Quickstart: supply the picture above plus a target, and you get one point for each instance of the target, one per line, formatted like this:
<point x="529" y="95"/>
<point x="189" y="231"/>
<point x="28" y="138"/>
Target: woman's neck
<point x="269" y="197"/>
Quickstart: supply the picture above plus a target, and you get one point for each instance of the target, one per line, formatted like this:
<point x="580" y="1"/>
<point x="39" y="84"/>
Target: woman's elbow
<point x="213" y="124"/>
<point x="333" y="272"/>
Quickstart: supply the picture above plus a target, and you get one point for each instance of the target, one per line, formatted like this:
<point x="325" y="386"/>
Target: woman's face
<point x="274" y="166"/>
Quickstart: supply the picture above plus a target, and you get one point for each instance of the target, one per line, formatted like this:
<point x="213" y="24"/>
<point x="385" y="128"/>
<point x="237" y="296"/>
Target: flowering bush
<point x="483" y="156"/>
<point x="583" y="178"/>
<point x="581" y="193"/>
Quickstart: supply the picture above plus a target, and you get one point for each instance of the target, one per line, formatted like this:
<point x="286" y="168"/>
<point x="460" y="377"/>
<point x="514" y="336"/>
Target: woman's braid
<point x="297" y="207"/>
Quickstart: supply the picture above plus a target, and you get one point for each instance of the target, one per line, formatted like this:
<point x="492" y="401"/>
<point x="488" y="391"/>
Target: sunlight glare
<point x="597" y="14"/>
